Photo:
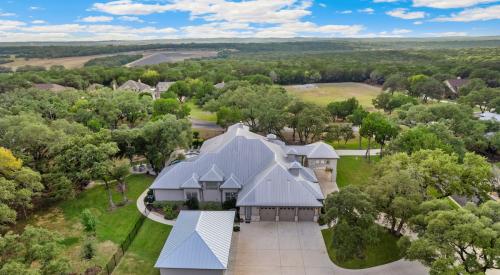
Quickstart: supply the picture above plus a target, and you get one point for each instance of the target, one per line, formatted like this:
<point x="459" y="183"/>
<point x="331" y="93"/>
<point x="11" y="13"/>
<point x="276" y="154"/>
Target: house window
<point x="212" y="185"/>
<point x="231" y="195"/>
<point x="191" y="194"/>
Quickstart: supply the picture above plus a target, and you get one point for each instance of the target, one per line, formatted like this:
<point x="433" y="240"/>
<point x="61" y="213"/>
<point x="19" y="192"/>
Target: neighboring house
<point x="489" y="116"/>
<point x="270" y="180"/>
<point x="162" y="87"/>
<point x="137" y="86"/>
<point x="51" y="87"/>
<point x="455" y="84"/>
<point x="220" y="85"/>
<point x="199" y="244"/>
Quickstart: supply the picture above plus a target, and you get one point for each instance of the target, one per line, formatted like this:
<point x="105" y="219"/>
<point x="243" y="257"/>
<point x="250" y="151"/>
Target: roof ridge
<point x="196" y="228"/>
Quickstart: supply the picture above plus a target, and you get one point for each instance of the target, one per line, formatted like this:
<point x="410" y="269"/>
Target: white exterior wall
<point x="169" y="195"/>
<point x="211" y="195"/>
<point x="175" y="271"/>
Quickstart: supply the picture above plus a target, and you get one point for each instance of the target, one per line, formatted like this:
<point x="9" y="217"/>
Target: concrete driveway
<point x="294" y="248"/>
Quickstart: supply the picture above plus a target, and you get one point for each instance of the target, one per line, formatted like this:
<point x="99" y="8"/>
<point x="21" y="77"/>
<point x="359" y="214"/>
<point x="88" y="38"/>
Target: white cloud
<point x="131" y="19"/>
<point x="448" y="4"/>
<point x="442" y="34"/>
<point x="474" y="14"/>
<point x="127" y="7"/>
<point x="323" y="5"/>
<point x="385" y="1"/>
<point x="406" y="14"/>
<point x="401" y="31"/>
<point x="346" y="12"/>
<point x="418" y="23"/>
<point x="367" y="10"/>
<point x="7" y="14"/>
<point x="38" y="22"/>
<point x="10" y="24"/>
<point x="34" y="8"/>
<point x="95" y="19"/>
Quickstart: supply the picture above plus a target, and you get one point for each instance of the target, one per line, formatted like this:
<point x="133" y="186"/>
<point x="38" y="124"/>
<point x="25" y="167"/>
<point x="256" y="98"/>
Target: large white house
<point x="270" y="180"/>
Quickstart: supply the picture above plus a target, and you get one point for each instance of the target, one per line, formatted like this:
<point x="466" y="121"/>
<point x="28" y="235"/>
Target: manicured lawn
<point x="144" y="250"/>
<point x="328" y="92"/>
<point x="112" y="227"/>
<point x="198" y="113"/>
<point x="355" y="170"/>
<point x="354" y="144"/>
<point x="384" y="251"/>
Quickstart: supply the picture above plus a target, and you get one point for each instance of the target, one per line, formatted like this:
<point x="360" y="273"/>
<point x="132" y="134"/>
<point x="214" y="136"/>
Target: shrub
<point x="229" y="204"/>
<point x="88" y="248"/>
<point x="211" y="206"/>
<point x="236" y="228"/>
<point x="88" y="221"/>
<point x="170" y="213"/>
<point x="193" y="204"/>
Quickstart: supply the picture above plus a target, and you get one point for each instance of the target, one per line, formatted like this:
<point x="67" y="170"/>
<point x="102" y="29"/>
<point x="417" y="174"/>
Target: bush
<point x="88" y="221"/>
<point x="88" y="249"/>
<point x="211" y="206"/>
<point x="321" y="220"/>
<point x="193" y="204"/>
<point x="229" y="204"/>
<point x="236" y="228"/>
<point x="170" y="213"/>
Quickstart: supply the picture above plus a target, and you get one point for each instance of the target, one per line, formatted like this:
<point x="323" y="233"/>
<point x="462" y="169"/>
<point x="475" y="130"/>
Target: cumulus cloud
<point x="10" y="24"/>
<point x="473" y="14"/>
<point x="406" y="14"/>
<point x="95" y="19"/>
<point x="346" y="12"/>
<point x="6" y="14"/>
<point x="38" y="22"/>
<point x="448" y="4"/>
<point x="442" y="34"/>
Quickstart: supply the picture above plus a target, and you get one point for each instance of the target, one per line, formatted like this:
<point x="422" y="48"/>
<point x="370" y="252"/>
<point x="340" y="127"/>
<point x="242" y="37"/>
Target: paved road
<point x="360" y="153"/>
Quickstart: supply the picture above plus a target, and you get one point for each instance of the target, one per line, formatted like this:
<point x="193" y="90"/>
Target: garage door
<point x="287" y="214"/>
<point x="306" y="214"/>
<point x="267" y="214"/>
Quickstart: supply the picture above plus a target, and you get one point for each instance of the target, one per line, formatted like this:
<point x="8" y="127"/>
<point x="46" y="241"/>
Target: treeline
<point x="320" y="45"/>
<point x="112" y="61"/>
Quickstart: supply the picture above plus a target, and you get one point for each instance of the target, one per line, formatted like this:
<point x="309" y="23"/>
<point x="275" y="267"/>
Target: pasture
<point x="170" y="56"/>
<point x="324" y="93"/>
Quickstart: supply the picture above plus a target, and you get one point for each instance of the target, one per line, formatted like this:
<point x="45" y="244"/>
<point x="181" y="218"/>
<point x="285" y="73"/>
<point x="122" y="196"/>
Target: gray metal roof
<point x="192" y="182"/>
<point x="163" y="86"/>
<point x="317" y="150"/>
<point x="199" y="240"/>
<point x="135" y="86"/>
<point x="260" y="166"/>
<point x="214" y="174"/>
<point x="231" y="183"/>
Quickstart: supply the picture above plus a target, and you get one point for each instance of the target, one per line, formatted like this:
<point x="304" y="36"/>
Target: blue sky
<point x="73" y="20"/>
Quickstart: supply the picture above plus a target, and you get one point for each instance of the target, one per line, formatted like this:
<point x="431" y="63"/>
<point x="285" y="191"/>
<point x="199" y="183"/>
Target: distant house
<point x="455" y="84"/>
<point x="489" y="116"/>
<point x="269" y="180"/>
<point x="220" y="85"/>
<point x="162" y="87"/>
<point x="51" y="87"/>
<point x="136" y="86"/>
<point x="199" y="244"/>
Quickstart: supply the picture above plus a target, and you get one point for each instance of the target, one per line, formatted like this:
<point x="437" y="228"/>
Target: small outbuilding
<point x="199" y="244"/>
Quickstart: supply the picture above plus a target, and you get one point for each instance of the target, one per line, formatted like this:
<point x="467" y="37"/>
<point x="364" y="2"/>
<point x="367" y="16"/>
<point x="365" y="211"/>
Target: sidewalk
<point x="359" y="153"/>
<point x="151" y="215"/>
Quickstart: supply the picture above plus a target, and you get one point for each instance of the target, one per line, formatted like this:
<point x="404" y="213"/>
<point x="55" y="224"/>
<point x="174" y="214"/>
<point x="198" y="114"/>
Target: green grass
<point x="355" y="170"/>
<point x="384" y="251"/>
<point x="198" y="113"/>
<point x="144" y="250"/>
<point x="354" y="144"/>
<point x="328" y="92"/>
<point x="112" y="227"/>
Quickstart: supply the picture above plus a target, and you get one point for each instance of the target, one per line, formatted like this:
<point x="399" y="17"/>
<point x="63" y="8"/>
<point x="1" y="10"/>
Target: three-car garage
<point x="284" y="214"/>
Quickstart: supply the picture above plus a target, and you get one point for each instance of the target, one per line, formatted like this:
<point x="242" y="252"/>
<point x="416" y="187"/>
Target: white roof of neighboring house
<point x="199" y="240"/>
<point x="489" y="116"/>
<point x="259" y="164"/>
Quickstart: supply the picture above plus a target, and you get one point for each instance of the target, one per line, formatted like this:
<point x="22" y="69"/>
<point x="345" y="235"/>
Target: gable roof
<point x="199" y="240"/>
<point x="192" y="182"/>
<point x="163" y="86"/>
<point x="456" y="83"/>
<point x="231" y="183"/>
<point x="317" y="150"/>
<point x="214" y="174"/>
<point x="51" y="87"/>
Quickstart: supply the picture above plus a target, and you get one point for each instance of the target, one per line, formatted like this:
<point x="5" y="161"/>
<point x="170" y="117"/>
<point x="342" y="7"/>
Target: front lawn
<point x="112" y="227"/>
<point x="355" y="170"/>
<point x="198" y="113"/>
<point x="384" y="251"/>
<point x="354" y="144"/>
<point x="144" y="250"/>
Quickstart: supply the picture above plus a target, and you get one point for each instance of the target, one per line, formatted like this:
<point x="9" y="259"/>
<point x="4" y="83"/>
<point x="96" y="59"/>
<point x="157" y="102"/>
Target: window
<point x="191" y="194"/>
<point x="211" y="185"/>
<point x="231" y="195"/>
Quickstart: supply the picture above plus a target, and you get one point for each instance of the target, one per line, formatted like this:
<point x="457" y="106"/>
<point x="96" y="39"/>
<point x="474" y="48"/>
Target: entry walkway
<point x="359" y="153"/>
<point x="149" y="214"/>
<point x="295" y="248"/>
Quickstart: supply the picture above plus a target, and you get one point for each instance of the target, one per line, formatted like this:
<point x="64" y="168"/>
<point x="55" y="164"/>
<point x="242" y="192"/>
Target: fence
<point x="113" y="262"/>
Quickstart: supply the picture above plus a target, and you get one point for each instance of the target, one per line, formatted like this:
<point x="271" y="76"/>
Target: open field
<point x="324" y="93"/>
<point x="199" y="114"/>
<point x="384" y="251"/>
<point x="170" y="56"/>
<point x="112" y="227"/>
<point x="150" y="57"/>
